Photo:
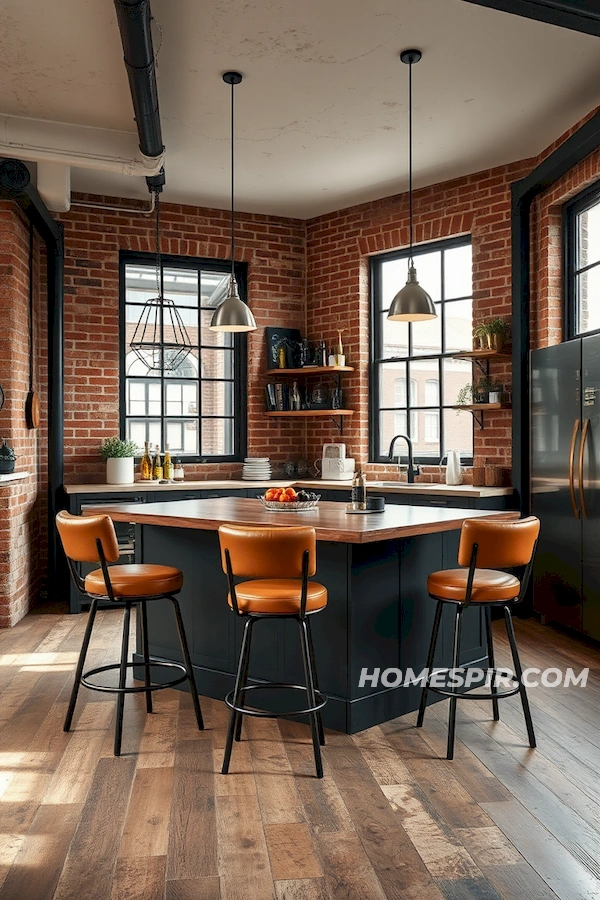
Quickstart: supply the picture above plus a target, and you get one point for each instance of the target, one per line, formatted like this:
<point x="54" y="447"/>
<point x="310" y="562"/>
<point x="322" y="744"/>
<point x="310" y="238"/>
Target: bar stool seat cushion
<point x="278" y="595"/>
<point x="489" y="585"/>
<point x="136" y="581"/>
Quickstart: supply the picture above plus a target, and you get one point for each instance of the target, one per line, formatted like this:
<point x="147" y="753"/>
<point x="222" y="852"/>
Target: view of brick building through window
<point x="190" y="408"/>
<point x="422" y="355"/>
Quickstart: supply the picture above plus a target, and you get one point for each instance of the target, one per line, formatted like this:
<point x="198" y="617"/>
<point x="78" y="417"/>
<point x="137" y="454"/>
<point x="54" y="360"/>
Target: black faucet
<point x="412" y="470"/>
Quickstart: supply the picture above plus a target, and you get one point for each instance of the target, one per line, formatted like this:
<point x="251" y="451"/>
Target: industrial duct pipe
<point x="134" y="17"/>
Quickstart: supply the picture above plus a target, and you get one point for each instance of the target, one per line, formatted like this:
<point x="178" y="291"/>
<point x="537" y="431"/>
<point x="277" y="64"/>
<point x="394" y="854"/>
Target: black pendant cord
<point x="30" y="306"/>
<point x="410" y="196"/>
<point x="232" y="185"/>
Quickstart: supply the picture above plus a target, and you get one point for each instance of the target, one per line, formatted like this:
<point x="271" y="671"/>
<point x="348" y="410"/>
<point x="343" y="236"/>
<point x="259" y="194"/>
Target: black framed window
<point x="582" y="259"/>
<point x="198" y="409"/>
<point x="414" y="378"/>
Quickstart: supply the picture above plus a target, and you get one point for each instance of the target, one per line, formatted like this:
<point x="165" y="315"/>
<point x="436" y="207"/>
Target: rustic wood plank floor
<point x="390" y="819"/>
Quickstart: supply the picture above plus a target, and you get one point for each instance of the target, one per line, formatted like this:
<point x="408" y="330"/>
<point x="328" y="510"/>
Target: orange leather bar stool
<point x="280" y="562"/>
<point x="486" y="545"/>
<point x="93" y="539"/>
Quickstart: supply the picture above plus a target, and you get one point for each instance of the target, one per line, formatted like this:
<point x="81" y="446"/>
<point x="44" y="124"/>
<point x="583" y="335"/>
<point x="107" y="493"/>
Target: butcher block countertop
<point x="330" y="520"/>
<point x="394" y="487"/>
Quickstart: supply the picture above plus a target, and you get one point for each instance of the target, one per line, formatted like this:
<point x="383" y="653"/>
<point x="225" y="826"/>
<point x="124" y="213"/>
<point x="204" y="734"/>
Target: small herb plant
<point x="114" y="447"/>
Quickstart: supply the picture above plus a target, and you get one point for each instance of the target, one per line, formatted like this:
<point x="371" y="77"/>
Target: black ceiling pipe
<point x="134" y="17"/>
<point x="15" y="184"/>
<point x="577" y="15"/>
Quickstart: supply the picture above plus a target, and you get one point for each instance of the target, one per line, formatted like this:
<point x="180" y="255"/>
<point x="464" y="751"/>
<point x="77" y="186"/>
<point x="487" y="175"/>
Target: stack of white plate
<point x="256" y="469"/>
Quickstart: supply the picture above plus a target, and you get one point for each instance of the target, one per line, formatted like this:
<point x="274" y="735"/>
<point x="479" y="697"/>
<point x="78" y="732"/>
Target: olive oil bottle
<point x="157" y="469"/>
<point x="146" y="464"/>
<point x="167" y="465"/>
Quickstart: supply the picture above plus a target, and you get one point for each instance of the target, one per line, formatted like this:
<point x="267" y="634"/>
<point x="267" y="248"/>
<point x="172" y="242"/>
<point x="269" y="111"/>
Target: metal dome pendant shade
<point x="160" y="340"/>
<point x="232" y="314"/>
<point x="412" y="303"/>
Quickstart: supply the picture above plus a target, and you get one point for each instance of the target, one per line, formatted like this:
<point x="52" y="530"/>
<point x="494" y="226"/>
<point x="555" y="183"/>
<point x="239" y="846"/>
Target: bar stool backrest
<point x="500" y="545"/>
<point x="80" y="533"/>
<point x="263" y="552"/>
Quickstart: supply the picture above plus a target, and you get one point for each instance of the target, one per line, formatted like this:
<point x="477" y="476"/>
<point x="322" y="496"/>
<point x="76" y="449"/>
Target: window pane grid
<point x="427" y="413"/>
<point x="165" y="407"/>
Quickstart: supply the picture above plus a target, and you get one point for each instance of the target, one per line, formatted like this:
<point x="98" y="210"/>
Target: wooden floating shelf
<point x="479" y="407"/>
<point x="481" y="354"/>
<point x="310" y="370"/>
<point x="312" y="412"/>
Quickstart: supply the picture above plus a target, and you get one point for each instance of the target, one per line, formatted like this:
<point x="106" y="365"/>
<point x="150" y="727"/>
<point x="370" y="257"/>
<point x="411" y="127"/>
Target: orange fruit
<point x="272" y="494"/>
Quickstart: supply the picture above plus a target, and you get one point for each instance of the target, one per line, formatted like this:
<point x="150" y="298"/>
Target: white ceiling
<point x="321" y="115"/>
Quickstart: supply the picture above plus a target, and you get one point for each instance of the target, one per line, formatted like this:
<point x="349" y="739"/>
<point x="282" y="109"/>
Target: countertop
<point x="329" y="519"/>
<point x="458" y="490"/>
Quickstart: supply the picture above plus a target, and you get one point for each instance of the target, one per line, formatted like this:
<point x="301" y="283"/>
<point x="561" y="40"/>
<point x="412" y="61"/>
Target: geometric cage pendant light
<point x="412" y="303"/>
<point x="160" y="340"/>
<point x="232" y="314"/>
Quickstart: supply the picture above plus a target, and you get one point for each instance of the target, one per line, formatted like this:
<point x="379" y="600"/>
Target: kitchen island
<point x="379" y="615"/>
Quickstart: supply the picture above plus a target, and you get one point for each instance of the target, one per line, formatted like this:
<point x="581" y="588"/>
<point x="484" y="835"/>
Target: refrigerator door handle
<point x="572" y="469"/>
<point x="584" y="434"/>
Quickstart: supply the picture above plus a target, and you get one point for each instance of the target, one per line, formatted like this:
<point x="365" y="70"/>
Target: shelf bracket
<point x="483" y="366"/>
<point x="478" y="416"/>
<point x="338" y="421"/>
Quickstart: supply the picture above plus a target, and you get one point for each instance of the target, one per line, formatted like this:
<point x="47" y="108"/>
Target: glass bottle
<point x="167" y="465"/>
<point x="157" y="469"/>
<point x="359" y="491"/>
<point x="146" y="464"/>
<point x="178" y="473"/>
<point x="323" y="354"/>
<point x="295" y="398"/>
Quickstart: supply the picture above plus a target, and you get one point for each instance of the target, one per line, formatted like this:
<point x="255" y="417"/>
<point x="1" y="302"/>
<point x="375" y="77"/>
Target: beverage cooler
<point x="565" y="426"/>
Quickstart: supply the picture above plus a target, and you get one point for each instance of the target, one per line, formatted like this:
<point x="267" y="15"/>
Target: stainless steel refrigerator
<point x="565" y="424"/>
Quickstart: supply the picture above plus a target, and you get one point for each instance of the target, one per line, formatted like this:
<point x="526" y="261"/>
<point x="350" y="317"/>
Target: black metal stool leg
<point x="316" y="681"/>
<point x="146" y="652"/>
<point x="188" y="662"/>
<point x="453" y="699"/>
<point x="491" y="658"/>
<point x="80" y="665"/>
<point x="430" y="657"/>
<point x="245" y="667"/>
<point x="236" y="696"/>
<point x="310" y="690"/>
<point x="122" y="678"/>
<point x="519" y="673"/>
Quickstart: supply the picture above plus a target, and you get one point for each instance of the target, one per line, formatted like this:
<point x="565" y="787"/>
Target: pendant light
<point x="412" y="303"/>
<point x="160" y="340"/>
<point x="232" y="314"/>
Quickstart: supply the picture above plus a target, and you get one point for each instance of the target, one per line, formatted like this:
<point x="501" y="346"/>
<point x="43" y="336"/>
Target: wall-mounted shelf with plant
<point x="483" y="394"/>
<point x="492" y="335"/>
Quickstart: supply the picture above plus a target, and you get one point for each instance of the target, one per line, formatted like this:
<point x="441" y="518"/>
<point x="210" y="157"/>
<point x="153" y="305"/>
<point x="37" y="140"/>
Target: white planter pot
<point x="120" y="470"/>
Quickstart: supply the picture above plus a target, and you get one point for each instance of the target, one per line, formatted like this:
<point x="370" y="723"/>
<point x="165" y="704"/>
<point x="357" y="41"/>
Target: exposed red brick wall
<point x="547" y="288"/>
<point x="274" y="249"/>
<point x="338" y="249"/>
<point x="23" y="544"/>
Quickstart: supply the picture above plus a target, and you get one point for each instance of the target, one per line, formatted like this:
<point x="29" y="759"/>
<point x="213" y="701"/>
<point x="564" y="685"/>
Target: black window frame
<point x="376" y="359"/>
<point x="240" y="344"/>
<point x="580" y="203"/>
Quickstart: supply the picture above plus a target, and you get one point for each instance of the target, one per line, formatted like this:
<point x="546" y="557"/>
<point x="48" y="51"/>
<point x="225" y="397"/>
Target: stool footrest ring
<point x="490" y="695"/>
<point x="266" y="714"/>
<point x="133" y="690"/>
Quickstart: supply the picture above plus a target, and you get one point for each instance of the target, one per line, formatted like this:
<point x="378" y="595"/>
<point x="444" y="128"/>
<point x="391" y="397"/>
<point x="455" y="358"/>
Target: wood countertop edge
<point x="331" y="534"/>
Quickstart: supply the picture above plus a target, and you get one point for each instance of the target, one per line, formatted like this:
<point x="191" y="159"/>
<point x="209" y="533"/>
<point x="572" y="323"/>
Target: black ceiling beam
<point x="577" y="15"/>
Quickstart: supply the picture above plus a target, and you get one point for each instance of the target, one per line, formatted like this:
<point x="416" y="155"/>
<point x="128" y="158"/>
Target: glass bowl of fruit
<point x="288" y="499"/>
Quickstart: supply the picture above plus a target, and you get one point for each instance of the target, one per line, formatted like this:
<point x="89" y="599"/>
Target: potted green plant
<point x="477" y="392"/>
<point x="480" y="333"/>
<point x="119" y="456"/>
<point x="498" y="333"/>
<point x="496" y="392"/>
